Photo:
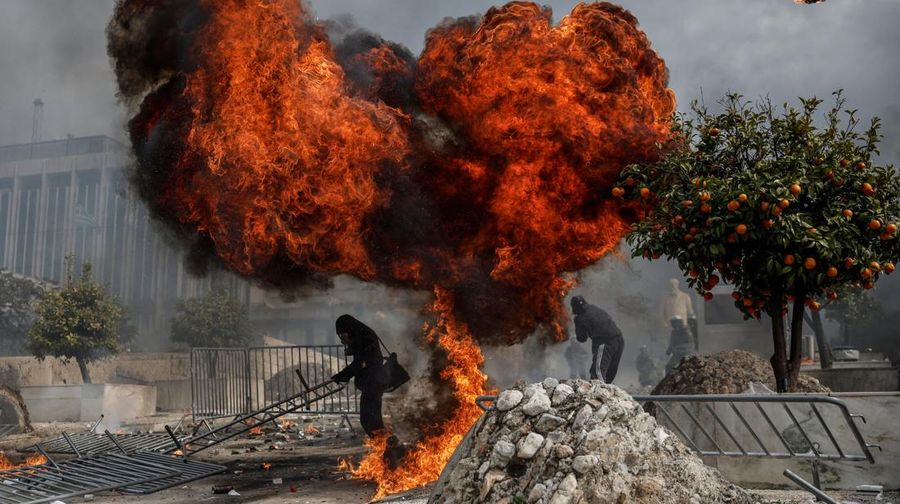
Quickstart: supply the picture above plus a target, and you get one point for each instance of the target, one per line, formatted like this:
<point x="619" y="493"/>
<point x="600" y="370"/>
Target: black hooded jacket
<point x="367" y="366"/>
<point x="591" y="322"/>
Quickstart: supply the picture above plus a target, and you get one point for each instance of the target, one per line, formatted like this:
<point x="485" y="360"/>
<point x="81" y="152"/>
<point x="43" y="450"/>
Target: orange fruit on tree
<point x="733" y="205"/>
<point x="764" y="206"/>
<point x="861" y="166"/>
<point x="687" y="203"/>
<point x="736" y="295"/>
<point x="768" y="223"/>
<point x="814" y="305"/>
<point x="618" y="192"/>
<point x="809" y="263"/>
<point x="832" y="295"/>
<point x="849" y="262"/>
<point x="688" y="238"/>
<point x="847" y="213"/>
<point x="889" y="267"/>
<point x="748" y="302"/>
<point x="776" y="211"/>
<point x="789" y="259"/>
<point x="705" y="208"/>
<point x="713" y="132"/>
<point x="832" y="272"/>
<point x="845" y="163"/>
<point x="645" y="192"/>
<point x="742" y="198"/>
<point x="868" y="285"/>
<point x="629" y="181"/>
<point x="678" y="219"/>
<point x="740" y="229"/>
<point x="693" y="273"/>
<point x="694" y="230"/>
<point x="783" y="204"/>
<point x="707" y="296"/>
<point x="829" y="175"/>
<point x="795" y="189"/>
<point x="713" y="280"/>
<point x="875" y="266"/>
<point x="885" y="236"/>
<point x="867" y="189"/>
<point x="874" y="224"/>
<point x="866" y="273"/>
<point x="891" y="228"/>
<point x="704" y="196"/>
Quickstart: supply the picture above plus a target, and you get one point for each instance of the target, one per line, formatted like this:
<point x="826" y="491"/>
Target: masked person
<point x="366" y="368"/>
<point x="681" y="343"/>
<point x="593" y="323"/>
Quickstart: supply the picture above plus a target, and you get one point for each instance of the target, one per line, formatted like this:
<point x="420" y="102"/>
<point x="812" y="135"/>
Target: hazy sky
<point x="55" y="49"/>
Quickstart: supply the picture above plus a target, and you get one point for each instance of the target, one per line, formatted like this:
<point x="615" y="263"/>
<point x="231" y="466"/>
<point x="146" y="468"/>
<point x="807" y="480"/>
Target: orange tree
<point x="783" y="205"/>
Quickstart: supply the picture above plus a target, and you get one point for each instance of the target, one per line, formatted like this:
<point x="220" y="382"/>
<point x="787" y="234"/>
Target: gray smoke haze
<point x="56" y="50"/>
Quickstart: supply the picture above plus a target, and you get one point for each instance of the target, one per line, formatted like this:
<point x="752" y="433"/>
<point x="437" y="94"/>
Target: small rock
<point x="493" y="476"/>
<point x="565" y="492"/>
<point x="508" y="400"/>
<point x="583" y="464"/>
<point x="529" y="445"/>
<point x="561" y="393"/>
<point x="539" y="403"/>
<point x="501" y="454"/>
<point x="564" y="451"/>
<point x="550" y="383"/>
<point x="548" y="422"/>
<point x="582" y="416"/>
<point x="537" y="491"/>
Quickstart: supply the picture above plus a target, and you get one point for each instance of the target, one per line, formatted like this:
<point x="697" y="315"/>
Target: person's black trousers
<point x="370" y="411"/>
<point x="609" y="361"/>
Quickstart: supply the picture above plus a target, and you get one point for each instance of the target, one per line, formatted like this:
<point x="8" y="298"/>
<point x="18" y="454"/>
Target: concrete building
<point x="70" y="196"/>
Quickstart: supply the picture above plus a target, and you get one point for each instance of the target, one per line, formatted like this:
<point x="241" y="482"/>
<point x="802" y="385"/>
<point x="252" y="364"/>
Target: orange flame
<point x="311" y="429"/>
<point x="31" y="460"/>
<point x="255" y="431"/>
<point x="423" y="464"/>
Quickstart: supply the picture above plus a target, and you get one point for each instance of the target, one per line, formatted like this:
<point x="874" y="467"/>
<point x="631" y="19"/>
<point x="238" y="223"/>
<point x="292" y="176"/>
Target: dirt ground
<point x="304" y="460"/>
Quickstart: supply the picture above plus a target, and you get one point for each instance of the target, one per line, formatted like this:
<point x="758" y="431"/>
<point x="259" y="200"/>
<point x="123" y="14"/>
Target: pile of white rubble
<point x="577" y="441"/>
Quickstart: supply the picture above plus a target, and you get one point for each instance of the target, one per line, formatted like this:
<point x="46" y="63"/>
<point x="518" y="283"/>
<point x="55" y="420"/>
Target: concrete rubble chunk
<point x="550" y="384"/>
<point x="529" y="445"/>
<point x="539" y="403"/>
<point x="595" y="446"/>
<point x="509" y="399"/>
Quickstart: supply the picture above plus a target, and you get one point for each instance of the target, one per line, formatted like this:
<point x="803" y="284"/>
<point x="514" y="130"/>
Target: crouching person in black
<point x="367" y="369"/>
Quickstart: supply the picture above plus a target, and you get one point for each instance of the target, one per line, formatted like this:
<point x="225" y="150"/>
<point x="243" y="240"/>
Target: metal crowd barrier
<point x="220" y="385"/>
<point x="229" y="382"/>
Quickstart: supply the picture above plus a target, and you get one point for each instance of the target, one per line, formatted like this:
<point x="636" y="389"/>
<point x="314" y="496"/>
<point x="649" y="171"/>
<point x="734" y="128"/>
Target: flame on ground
<point x="423" y="464"/>
<point x="31" y="460"/>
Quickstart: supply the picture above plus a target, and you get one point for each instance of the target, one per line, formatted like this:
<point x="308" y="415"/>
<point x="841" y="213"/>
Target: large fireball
<point x="480" y="171"/>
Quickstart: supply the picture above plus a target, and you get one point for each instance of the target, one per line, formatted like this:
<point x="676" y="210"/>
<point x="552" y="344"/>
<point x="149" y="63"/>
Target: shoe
<point x="394" y="452"/>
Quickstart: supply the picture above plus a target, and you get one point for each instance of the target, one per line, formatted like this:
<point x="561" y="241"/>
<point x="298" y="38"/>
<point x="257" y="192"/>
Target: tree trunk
<point x="826" y="358"/>
<point x="779" y="358"/>
<point x="796" y="341"/>
<point x="82" y="365"/>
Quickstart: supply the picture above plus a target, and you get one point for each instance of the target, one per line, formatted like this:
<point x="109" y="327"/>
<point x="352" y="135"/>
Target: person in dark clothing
<point x="681" y="344"/>
<point x="366" y="368"/>
<point x="593" y="323"/>
<point x="648" y="373"/>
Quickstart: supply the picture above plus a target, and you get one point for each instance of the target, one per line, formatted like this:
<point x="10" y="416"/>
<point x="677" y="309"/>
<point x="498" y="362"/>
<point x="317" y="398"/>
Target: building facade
<point x="71" y="196"/>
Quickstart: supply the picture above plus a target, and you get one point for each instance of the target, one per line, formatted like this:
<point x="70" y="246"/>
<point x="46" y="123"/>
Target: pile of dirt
<point x="13" y="410"/>
<point x="727" y="372"/>
<point x="577" y="442"/>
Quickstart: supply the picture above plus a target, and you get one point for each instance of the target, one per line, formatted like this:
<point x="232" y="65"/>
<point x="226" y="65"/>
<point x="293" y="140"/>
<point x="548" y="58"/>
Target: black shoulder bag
<point x="395" y="374"/>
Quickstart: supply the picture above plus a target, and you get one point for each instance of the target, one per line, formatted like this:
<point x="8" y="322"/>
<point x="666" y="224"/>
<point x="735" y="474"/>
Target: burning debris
<point x="726" y="372"/>
<point x="577" y="441"/>
<point x="480" y="172"/>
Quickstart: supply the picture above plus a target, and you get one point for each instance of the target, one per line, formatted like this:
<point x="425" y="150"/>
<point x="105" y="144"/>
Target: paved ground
<point x="304" y="460"/>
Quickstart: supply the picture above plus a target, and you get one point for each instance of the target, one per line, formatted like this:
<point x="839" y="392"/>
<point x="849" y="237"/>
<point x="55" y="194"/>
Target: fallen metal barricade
<point x="93" y="442"/>
<point x="195" y="443"/>
<point x="55" y="481"/>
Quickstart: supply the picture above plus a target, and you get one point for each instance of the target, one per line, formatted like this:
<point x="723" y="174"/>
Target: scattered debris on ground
<point x="13" y="411"/>
<point x="726" y="372"/>
<point x="578" y="441"/>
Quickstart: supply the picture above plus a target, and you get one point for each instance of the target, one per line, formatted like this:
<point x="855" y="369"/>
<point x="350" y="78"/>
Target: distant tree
<point x="80" y="321"/>
<point x="214" y="320"/>
<point x="18" y="296"/>
<point x="778" y="205"/>
<point x="854" y="308"/>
